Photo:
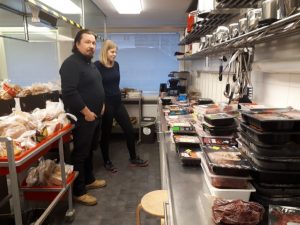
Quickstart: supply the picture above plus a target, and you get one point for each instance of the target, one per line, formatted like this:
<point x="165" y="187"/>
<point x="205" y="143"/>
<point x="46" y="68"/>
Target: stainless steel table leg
<point x="14" y="184"/>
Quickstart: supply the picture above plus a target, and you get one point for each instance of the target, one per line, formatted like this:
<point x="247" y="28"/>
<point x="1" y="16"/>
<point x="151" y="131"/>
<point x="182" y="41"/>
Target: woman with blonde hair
<point x="114" y="108"/>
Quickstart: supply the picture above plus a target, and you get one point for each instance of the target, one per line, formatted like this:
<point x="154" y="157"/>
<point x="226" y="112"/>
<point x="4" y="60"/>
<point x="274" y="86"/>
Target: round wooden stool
<point x="152" y="203"/>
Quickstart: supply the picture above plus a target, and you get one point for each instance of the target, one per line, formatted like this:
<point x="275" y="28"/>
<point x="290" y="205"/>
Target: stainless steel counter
<point x="186" y="189"/>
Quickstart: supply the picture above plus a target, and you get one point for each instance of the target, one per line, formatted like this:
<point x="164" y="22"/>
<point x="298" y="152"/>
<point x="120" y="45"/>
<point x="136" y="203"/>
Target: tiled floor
<point x="117" y="202"/>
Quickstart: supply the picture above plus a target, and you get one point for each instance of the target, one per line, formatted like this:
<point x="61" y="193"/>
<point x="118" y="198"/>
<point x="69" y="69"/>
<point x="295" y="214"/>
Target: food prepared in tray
<point x="237" y="212"/>
<point x="219" y="141"/>
<point x="219" y="119"/>
<point x="224" y="181"/>
<point x="225" y="157"/>
<point x="284" y="215"/>
<point x="186" y="139"/>
<point x="189" y="153"/>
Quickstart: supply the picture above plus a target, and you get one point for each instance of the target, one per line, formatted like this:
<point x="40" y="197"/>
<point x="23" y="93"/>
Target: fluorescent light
<point x="127" y="6"/>
<point x="63" y="6"/>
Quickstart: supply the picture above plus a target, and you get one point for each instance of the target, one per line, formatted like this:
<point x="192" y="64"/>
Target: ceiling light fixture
<point x="127" y="7"/>
<point x="63" y="6"/>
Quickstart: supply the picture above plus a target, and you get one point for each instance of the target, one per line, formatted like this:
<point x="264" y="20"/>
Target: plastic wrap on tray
<point x="183" y="128"/>
<point x="290" y="149"/>
<point x="237" y="212"/>
<point x="186" y="139"/>
<point x="271" y="138"/>
<point x="225" y="160"/>
<point x="190" y="155"/>
<point x="219" y="119"/>
<point x="215" y="140"/>
<point x="219" y="130"/>
<point x="284" y="215"/>
<point x="274" y="121"/>
<point x="271" y="162"/>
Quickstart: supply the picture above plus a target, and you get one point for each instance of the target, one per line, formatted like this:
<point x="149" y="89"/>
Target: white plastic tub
<point x="243" y="194"/>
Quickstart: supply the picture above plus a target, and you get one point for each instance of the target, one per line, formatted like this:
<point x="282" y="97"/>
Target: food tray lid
<point x="226" y="157"/>
<point x="216" y="140"/>
<point x="188" y="139"/>
<point x="219" y="116"/>
<point x="213" y="175"/>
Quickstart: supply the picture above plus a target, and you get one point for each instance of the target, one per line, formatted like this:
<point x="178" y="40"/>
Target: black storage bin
<point x="6" y="106"/>
<point x="30" y="102"/>
<point x="148" y="129"/>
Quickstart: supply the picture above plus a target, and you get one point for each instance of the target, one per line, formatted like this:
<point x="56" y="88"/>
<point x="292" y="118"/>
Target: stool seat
<point x="153" y="204"/>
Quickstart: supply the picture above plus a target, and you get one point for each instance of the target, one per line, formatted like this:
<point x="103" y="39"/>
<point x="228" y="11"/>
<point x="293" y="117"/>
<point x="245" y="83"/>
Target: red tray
<point x="44" y="193"/>
<point x="67" y="137"/>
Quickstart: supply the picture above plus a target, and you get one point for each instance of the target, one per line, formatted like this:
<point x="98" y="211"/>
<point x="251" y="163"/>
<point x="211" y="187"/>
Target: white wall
<point x="275" y="74"/>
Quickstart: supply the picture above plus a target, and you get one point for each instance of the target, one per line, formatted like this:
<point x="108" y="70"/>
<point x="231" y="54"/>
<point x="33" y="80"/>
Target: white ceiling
<point x="157" y="15"/>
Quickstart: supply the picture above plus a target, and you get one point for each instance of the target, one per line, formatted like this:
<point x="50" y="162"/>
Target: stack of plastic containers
<point x="219" y="124"/>
<point x="271" y="141"/>
<point x="225" y="170"/>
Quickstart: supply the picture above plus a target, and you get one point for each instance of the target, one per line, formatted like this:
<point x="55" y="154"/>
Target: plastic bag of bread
<point x="16" y="146"/>
<point x="56" y="178"/>
<point x="40" y="175"/>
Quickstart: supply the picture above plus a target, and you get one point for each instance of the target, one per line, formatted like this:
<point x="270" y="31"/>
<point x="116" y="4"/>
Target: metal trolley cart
<point x="12" y="165"/>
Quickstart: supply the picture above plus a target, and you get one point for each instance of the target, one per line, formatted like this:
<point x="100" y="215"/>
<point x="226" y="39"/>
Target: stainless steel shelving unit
<point x="282" y="28"/>
<point x="138" y="102"/>
<point x="16" y="166"/>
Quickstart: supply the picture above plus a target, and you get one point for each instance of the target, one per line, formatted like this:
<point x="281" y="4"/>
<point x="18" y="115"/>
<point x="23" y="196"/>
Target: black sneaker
<point x="138" y="162"/>
<point x="110" y="167"/>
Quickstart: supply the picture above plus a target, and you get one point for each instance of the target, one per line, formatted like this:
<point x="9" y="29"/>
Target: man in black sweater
<point x="83" y="96"/>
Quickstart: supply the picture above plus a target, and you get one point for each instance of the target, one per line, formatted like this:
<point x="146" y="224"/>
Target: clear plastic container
<point x="243" y="194"/>
<point x="224" y="181"/>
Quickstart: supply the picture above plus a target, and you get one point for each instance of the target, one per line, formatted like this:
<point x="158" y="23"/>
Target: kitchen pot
<point x="288" y="7"/>
<point x="253" y="17"/>
<point x="233" y="30"/>
<point x="269" y="11"/>
<point x="202" y="43"/>
<point x="214" y="40"/>
<point x="208" y="40"/>
<point x="222" y="34"/>
<point x="243" y="23"/>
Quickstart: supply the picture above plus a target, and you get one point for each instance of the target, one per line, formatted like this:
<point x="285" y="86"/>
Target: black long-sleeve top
<point x="111" y="81"/>
<point x="81" y="85"/>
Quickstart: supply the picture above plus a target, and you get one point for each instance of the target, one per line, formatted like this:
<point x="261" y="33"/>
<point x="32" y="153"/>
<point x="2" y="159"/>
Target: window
<point x="145" y="59"/>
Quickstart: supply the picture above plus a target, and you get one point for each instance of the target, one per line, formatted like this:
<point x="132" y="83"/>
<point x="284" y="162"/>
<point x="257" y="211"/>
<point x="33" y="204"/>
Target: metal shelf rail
<point x="282" y="28"/>
<point x="16" y="165"/>
<point x="137" y="101"/>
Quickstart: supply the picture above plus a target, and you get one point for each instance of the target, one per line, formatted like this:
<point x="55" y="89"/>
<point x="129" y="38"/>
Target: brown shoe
<point x="86" y="199"/>
<point x="96" y="184"/>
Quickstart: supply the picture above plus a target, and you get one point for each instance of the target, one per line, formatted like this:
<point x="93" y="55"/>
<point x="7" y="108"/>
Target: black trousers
<point x="86" y="137"/>
<point x="119" y="112"/>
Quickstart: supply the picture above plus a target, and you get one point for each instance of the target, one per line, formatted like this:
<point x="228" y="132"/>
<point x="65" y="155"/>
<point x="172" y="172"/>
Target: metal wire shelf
<point x="282" y="28"/>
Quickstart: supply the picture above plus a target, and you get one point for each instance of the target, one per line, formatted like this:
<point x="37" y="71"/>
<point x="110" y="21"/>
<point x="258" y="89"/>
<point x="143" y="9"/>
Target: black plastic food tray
<point x="219" y="131"/>
<point x="189" y="161"/>
<point x="271" y="163"/>
<point x="270" y="121"/>
<point x="219" y="119"/>
<point x="289" y="149"/>
<point x="186" y="143"/>
<point x="218" y="141"/>
<point x="276" y="191"/>
<point x="272" y="138"/>
<point x="266" y="201"/>
<point x="205" y="101"/>
<point x="275" y="177"/>
<point x="226" y="167"/>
